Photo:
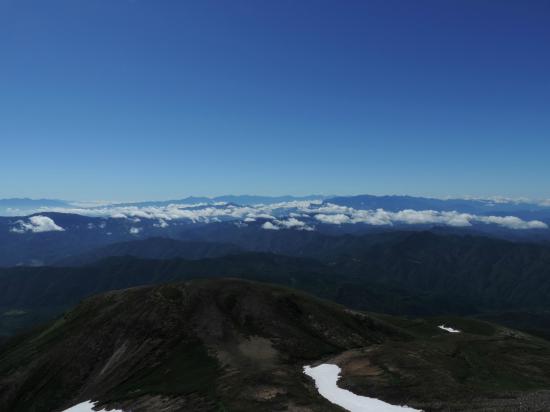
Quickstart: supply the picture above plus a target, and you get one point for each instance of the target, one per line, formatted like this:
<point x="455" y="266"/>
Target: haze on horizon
<point x="189" y="199"/>
<point x="133" y="100"/>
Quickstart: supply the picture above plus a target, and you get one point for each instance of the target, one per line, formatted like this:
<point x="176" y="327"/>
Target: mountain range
<point x="402" y="273"/>
<point x="389" y="202"/>
<point x="50" y="237"/>
<point x="220" y="304"/>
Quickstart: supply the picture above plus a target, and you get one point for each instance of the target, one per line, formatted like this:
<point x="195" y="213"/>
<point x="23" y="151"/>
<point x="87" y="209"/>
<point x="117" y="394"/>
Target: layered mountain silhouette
<point x="67" y="234"/>
<point x="408" y="273"/>
<point x="155" y="248"/>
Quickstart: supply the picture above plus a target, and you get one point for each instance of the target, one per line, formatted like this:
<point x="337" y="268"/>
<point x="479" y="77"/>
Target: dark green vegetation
<point x="534" y="322"/>
<point x="453" y="372"/>
<point x="234" y="345"/>
<point x="403" y="273"/>
<point x="155" y="248"/>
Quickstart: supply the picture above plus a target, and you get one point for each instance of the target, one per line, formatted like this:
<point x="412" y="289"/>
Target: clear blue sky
<point x="143" y="99"/>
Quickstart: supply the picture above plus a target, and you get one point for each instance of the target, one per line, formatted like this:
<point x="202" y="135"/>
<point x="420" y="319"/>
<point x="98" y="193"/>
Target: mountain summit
<point x="235" y="345"/>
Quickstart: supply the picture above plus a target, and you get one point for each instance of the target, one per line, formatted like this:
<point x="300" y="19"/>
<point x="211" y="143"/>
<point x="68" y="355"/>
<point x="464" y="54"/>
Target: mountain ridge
<point x="232" y="344"/>
<point x="409" y="273"/>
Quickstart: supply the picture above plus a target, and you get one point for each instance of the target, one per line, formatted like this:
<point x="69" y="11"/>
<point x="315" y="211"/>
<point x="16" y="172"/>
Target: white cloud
<point x="135" y="230"/>
<point x="291" y="215"/>
<point x="269" y="226"/>
<point x="195" y="212"/>
<point x="378" y="217"/>
<point x="36" y="224"/>
<point x="421" y="217"/>
<point x="513" y="222"/>
<point x="161" y="223"/>
<point x="294" y="204"/>
<point x="331" y="208"/>
<point x="290" y="223"/>
<point x="336" y="219"/>
<point x="293" y="223"/>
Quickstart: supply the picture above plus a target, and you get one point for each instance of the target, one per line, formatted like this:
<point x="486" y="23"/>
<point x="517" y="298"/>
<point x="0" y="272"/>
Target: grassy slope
<point x="485" y="366"/>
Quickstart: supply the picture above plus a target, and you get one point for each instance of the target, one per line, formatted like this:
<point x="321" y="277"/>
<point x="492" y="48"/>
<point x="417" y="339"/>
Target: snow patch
<point x="448" y="329"/>
<point x="326" y="378"/>
<point x="88" y="407"/>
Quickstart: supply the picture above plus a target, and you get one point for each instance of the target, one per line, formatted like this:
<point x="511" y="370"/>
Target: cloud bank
<point x="382" y="217"/>
<point x="302" y="215"/>
<point x="36" y="224"/>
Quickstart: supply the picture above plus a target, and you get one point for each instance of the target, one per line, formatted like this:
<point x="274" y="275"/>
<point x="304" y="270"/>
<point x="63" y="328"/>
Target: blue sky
<point x="146" y="99"/>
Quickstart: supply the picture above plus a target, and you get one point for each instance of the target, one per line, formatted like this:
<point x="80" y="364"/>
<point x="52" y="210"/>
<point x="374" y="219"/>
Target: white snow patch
<point x="326" y="378"/>
<point x="448" y="329"/>
<point x="88" y="407"/>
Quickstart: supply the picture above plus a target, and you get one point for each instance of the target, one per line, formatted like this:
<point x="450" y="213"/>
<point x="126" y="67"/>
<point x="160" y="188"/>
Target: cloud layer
<point x="382" y="217"/>
<point x="301" y="215"/>
<point x="36" y="224"/>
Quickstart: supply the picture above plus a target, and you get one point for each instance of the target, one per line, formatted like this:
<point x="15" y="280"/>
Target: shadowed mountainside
<point x="409" y="273"/>
<point x="155" y="248"/>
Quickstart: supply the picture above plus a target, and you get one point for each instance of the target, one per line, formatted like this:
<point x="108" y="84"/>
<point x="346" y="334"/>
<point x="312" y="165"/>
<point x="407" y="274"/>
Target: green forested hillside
<point x="416" y="274"/>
